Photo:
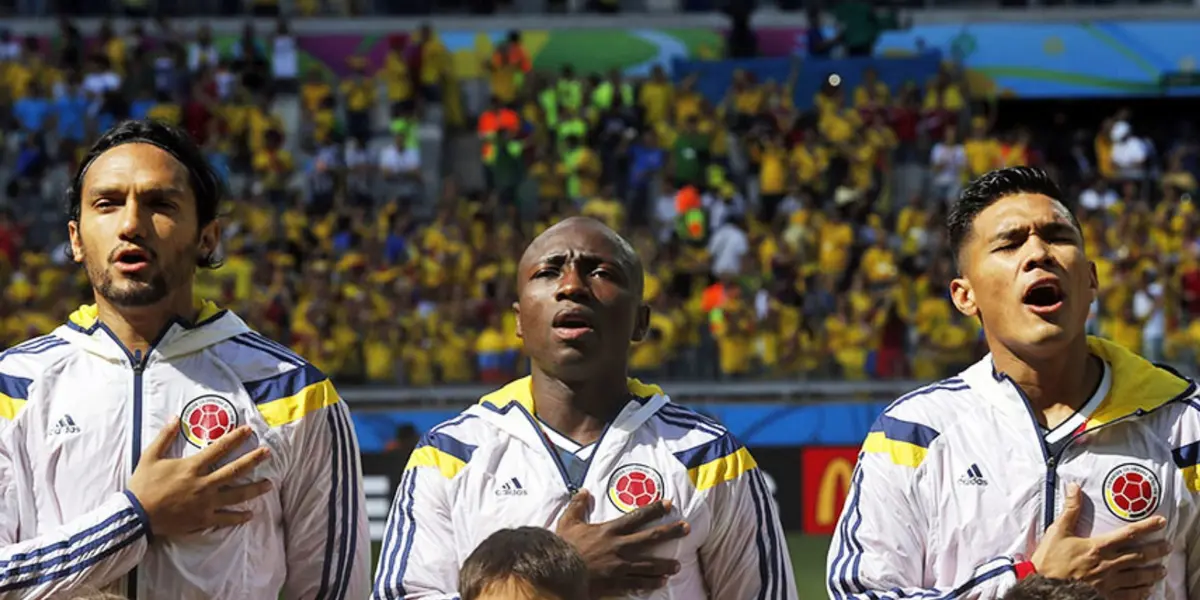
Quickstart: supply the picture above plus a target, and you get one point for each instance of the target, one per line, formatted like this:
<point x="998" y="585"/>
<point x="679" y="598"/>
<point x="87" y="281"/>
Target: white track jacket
<point x="76" y="412"/>
<point x="957" y="482"/>
<point x="492" y="468"/>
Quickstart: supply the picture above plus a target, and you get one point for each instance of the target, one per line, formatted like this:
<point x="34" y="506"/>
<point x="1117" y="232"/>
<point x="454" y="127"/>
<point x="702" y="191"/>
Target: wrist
<point x="1024" y="569"/>
<point x="142" y="515"/>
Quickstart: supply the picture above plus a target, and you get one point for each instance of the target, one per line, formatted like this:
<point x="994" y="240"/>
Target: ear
<point x="76" y="241"/>
<point x="963" y="296"/>
<point x="516" y="306"/>
<point x="642" y="325"/>
<point x="210" y="238"/>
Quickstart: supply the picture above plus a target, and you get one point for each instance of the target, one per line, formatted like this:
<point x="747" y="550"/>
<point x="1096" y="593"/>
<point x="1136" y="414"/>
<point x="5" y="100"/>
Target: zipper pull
<point x="138" y="363"/>
<point x="574" y="490"/>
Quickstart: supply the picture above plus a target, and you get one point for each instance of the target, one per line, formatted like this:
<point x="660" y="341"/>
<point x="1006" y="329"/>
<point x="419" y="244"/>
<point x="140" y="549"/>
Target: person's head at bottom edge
<point x="526" y="563"/>
<point x="1045" y="588"/>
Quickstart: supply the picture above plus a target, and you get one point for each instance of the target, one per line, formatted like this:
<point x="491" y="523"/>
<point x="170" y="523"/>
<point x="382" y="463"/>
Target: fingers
<point x="222" y="447"/>
<point x="1139" y="556"/>
<point x="1139" y="579"/>
<point x="658" y="535"/>
<point x="577" y="509"/>
<point x="1134" y="584"/>
<point x="652" y="568"/>
<point x="242" y="493"/>
<point x="240" y="467"/>
<point x="229" y="518"/>
<point x="1130" y="533"/>
<point x="1072" y="506"/>
<point x="642" y="516"/>
<point x="162" y="441"/>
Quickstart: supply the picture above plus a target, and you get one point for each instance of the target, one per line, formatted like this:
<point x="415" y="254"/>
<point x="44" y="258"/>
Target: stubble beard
<point x="134" y="292"/>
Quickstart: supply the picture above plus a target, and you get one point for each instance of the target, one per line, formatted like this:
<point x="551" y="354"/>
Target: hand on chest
<point x="1118" y="492"/>
<point x="520" y="490"/>
<point x="117" y="419"/>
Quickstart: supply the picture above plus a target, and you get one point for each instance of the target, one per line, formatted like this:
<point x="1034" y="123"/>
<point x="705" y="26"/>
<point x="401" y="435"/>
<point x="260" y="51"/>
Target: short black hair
<point x="206" y="184"/>
<point x="1038" y="587"/>
<point x="532" y="555"/>
<point x="986" y="190"/>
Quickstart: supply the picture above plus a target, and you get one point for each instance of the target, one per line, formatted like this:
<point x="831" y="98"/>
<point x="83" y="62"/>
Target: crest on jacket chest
<point x="1131" y="492"/>
<point x="207" y="418"/>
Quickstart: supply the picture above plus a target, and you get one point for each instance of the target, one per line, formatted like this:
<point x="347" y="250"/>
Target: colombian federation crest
<point x="1132" y="492"/>
<point x="207" y="418"/>
<point x="634" y="486"/>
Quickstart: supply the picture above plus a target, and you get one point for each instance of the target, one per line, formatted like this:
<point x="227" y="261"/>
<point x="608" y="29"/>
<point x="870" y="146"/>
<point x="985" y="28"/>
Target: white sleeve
<point x="745" y="555"/>
<point x="878" y="549"/>
<point x="91" y="550"/>
<point x="328" y="542"/>
<point x="1193" y="551"/>
<point x="417" y="559"/>
<point x="1186" y="455"/>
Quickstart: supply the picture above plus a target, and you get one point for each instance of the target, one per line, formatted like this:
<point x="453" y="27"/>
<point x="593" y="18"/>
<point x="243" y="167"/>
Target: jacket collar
<point x="512" y="408"/>
<point x="178" y="337"/>
<point x="1137" y="384"/>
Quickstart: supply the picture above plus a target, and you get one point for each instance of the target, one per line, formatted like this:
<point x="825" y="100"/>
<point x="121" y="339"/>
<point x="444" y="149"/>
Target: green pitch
<point x="808" y="563"/>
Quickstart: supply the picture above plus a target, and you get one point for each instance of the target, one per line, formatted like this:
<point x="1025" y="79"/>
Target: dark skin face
<point x="1015" y="243"/>
<point x="579" y="301"/>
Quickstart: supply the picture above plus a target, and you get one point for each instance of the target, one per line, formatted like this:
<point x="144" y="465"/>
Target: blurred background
<point x="783" y="169"/>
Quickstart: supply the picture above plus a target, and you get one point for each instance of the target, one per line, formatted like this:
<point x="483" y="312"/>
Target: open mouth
<point x="1044" y="294"/>
<point x="572" y="324"/>
<point x="132" y="258"/>
<point x="571" y="320"/>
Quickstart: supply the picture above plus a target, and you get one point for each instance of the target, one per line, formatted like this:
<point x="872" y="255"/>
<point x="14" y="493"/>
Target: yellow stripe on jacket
<point x="290" y="396"/>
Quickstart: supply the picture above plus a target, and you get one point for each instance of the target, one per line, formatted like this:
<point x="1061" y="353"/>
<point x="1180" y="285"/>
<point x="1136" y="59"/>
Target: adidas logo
<point x="974" y="476"/>
<point x="64" y="425"/>
<point x="512" y="487"/>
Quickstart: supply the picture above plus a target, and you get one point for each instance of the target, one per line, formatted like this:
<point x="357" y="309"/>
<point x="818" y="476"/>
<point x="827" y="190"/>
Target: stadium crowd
<point x="776" y="241"/>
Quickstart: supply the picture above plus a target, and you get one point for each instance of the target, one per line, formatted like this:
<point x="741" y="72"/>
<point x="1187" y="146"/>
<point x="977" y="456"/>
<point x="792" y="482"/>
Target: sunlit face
<point x="138" y="236"/>
<point x="1024" y="272"/>
<point x="579" y="306"/>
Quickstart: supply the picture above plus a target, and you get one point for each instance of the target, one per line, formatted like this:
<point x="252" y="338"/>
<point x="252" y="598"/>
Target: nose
<point x="133" y="220"/>
<point x="1039" y="256"/>
<point x="571" y="285"/>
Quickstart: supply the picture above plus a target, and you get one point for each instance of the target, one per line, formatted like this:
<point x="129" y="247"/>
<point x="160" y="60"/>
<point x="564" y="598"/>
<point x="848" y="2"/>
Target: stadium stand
<point x="777" y="198"/>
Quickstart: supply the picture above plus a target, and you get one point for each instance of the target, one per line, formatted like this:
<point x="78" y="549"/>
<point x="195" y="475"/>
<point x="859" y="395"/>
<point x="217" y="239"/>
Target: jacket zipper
<point x="139" y="368"/>
<point x="562" y="470"/>
<point x="1052" y="461"/>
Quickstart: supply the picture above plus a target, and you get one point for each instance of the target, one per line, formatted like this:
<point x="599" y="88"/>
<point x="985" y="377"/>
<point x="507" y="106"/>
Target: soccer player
<point x="580" y="448"/>
<point x="526" y="563"/>
<point x="94" y="490"/>
<point x="1057" y="454"/>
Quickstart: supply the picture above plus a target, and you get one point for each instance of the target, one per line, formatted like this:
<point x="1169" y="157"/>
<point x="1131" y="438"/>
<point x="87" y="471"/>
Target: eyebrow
<point x="114" y="189"/>
<point x="561" y="257"/>
<point x="1048" y="228"/>
<point x="625" y="265"/>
